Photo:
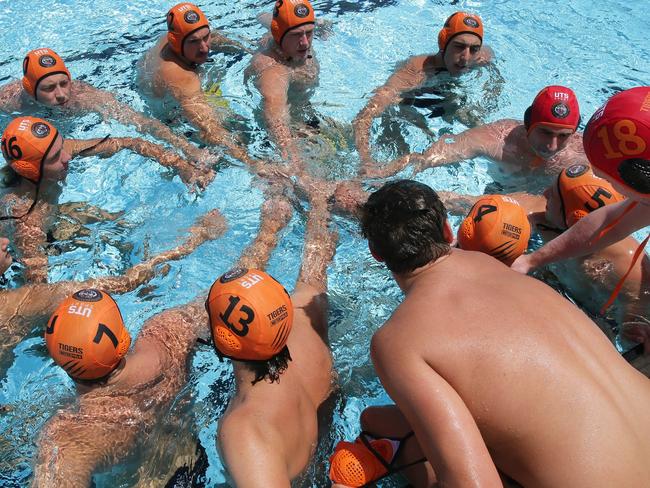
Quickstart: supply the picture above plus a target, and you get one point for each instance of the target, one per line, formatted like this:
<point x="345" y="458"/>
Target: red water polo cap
<point x="183" y="20"/>
<point x="289" y="14"/>
<point x="251" y="315"/>
<point x="496" y="225"/>
<point x="554" y="106"/>
<point x="617" y="139"/>
<point x="38" y="65"/>
<point x="86" y="335"/>
<point x="460" y="23"/>
<point x="25" y="144"/>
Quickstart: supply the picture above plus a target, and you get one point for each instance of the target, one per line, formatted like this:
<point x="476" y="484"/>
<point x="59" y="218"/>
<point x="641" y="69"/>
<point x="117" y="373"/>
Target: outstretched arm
<point x="43" y="299"/>
<point x="73" y="444"/>
<point x="186" y="88"/>
<point x="30" y="239"/>
<point x="108" y="106"/>
<point x="275" y="215"/>
<point x="219" y="41"/>
<point x="273" y="84"/>
<point x="208" y="227"/>
<point x="189" y="173"/>
<point x="409" y="76"/>
<point x="447" y="150"/>
<point x="584" y="237"/>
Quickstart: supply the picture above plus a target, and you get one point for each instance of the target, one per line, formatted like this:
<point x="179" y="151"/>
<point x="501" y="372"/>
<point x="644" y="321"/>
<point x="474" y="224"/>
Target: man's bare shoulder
<point x="264" y="62"/>
<point x="11" y="96"/>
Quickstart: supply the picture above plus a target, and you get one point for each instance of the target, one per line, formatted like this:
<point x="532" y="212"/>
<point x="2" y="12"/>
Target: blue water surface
<point x="596" y="48"/>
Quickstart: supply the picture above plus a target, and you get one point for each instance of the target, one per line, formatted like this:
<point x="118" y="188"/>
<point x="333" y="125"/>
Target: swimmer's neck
<point x="244" y="377"/>
<point x="406" y="281"/>
<point x="182" y="62"/>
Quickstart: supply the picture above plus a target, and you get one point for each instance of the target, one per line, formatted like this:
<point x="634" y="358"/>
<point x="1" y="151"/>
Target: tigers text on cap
<point x="184" y="20"/>
<point x="25" y="144"/>
<point x="86" y="335"/>
<point x="251" y="315"/>
<point x="617" y="139"/>
<point x="38" y="65"/>
<point x="554" y="106"/>
<point x="582" y="192"/>
<point x="289" y="14"/>
<point x="496" y="225"/>
<point x="460" y="23"/>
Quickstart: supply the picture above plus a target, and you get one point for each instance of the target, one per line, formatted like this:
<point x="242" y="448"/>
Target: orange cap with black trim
<point x="582" y="192"/>
<point x="352" y="464"/>
<point x="183" y="20"/>
<point x="617" y="139"/>
<point x="38" y="65"/>
<point x="460" y="23"/>
<point x="86" y="335"/>
<point x="554" y="106"/>
<point x="251" y="315"/>
<point x="25" y="144"/>
<point x="289" y="14"/>
<point x="496" y="225"/>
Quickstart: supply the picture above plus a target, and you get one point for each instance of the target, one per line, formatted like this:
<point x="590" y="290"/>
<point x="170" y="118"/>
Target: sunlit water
<point x="596" y="48"/>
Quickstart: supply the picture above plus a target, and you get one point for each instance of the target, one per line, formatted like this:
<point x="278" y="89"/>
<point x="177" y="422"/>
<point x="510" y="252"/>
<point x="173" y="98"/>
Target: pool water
<point x="596" y="48"/>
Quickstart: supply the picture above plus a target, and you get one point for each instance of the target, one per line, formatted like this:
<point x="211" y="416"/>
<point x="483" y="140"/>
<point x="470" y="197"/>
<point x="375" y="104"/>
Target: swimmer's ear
<point x="447" y="233"/>
<point x="374" y="254"/>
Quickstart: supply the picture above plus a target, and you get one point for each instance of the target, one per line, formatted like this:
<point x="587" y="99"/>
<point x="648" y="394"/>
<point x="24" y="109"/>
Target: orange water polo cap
<point x="86" y="335"/>
<point x="25" y="144"/>
<point x="38" y="65"/>
<point x="555" y="106"/>
<point x="496" y="225"/>
<point x="251" y="315"/>
<point x="460" y="23"/>
<point x="352" y="463"/>
<point x="582" y="192"/>
<point x="183" y="20"/>
<point x="617" y="139"/>
<point x="289" y="14"/>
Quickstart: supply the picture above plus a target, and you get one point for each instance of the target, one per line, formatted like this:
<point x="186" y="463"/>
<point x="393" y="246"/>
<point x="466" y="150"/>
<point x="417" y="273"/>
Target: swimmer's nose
<point x="60" y="95"/>
<point x="552" y="144"/>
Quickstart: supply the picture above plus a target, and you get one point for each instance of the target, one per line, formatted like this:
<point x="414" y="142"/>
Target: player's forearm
<point x="584" y="237"/>
<point x="275" y="215"/>
<point x="456" y="203"/>
<point x="126" y="115"/>
<point x="320" y="244"/>
<point x="30" y="239"/>
<point x="209" y="226"/>
<point x="277" y="123"/>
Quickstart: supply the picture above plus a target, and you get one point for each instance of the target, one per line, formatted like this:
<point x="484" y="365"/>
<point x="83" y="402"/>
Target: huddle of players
<point x="252" y="322"/>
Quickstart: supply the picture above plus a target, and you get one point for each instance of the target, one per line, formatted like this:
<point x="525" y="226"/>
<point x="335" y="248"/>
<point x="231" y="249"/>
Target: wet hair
<point x="271" y="369"/>
<point x="8" y="177"/>
<point x="404" y="224"/>
<point x="636" y="174"/>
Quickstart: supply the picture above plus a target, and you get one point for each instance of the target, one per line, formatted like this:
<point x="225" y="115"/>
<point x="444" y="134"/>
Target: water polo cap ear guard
<point x="26" y="143"/>
<point x="290" y="14"/>
<point x="251" y="315"/>
<point x="86" y="335"/>
<point x="554" y="106"/>
<point x="582" y="192"/>
<point x="617" y="139"/>
<point x="184" y="20"/>
<point x="460" y="23"/>
<point x="496" y="225"/>
<point x="38" y="65"/>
